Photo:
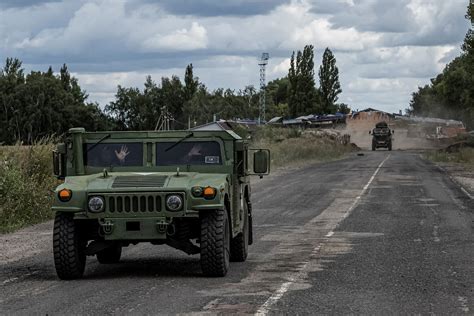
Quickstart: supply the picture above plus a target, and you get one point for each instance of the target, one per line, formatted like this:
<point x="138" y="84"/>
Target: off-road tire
<point x="68" y="248"/>
<point x="390" y="147"/>
<point x="373" y="147"/>
<point x="110" y="255"/>
<point x="215" y="243"/>
<point x="239" y="245"/>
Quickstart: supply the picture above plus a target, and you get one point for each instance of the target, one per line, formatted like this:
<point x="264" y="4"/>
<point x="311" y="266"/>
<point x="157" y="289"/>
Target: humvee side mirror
<point x="370" y="132"/>
<point x="261" y="162"/>
<point x="59" y="161"/>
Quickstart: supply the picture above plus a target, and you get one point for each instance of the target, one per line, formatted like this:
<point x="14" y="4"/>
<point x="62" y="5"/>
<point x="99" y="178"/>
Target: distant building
<point x="214" y="126"/>
<point x="371" y="115"/>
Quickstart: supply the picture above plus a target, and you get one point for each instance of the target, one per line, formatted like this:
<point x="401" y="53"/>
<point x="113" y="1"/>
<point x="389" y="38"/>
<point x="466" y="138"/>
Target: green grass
<point x="464" y="156"/>
<point x="26" y="183"/>
<point x="291" y="147"/>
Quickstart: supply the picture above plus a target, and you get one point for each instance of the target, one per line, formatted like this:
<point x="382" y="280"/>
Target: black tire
<point x="239" y="245"/>
<point x="390" y="147"/>
<point x="68" y="248"/>
<point x="249" y="207"/>
<point x="373" y="147"/>
<point x="215" y="243"/>
<point x="110" y="255"/>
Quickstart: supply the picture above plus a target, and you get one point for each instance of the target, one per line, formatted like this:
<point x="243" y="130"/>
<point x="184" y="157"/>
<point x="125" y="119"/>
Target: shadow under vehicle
<point x="381" y="136"/>
<point x="186" y="189"/>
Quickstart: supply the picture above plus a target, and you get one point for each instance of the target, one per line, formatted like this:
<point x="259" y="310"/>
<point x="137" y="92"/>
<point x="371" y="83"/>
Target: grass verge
<point x="26" y="183"/>
<point x="291" y="147"/>
<point x="464" y="156"/>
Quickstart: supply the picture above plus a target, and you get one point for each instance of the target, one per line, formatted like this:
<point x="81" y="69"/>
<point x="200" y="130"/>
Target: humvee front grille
<point x="133" y="203"/>
<point x="139" y="181"/>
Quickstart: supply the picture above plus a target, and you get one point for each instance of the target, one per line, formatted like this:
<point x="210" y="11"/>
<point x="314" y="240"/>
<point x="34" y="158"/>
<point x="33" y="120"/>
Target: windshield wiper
<point x="98" y="142"/>
<point x="179" y="141"/>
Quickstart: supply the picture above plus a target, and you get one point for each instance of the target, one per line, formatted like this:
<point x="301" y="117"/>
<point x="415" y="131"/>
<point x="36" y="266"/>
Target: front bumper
<point x="134" y="228"/>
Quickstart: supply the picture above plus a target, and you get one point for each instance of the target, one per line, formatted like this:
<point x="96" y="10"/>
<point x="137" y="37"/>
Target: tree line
<point x="450" y="94"/>
<point x="40" y="104"/>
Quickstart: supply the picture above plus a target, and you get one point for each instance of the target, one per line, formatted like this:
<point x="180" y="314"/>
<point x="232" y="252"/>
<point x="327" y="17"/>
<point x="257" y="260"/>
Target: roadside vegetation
<point x="290" y="147"/>
<point x="26" y="183"/>
<point x="464" y="156"/>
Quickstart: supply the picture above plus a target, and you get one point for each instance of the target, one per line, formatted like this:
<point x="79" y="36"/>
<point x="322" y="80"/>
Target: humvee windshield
<point x="188" y="153"/>
<point x="131" y="154"/>
<point x="113" y="154"/>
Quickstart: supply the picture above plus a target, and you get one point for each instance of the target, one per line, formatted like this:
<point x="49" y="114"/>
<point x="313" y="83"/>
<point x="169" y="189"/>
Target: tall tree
<point x="293" y="87"/>
<point x="302" y="90"/>
<point x="190" y="83"/>
<point x="330" y="87"/>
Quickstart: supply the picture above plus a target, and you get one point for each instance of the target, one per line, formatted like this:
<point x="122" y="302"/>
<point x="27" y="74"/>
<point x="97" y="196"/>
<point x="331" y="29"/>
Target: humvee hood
<point x="154" y="181"/>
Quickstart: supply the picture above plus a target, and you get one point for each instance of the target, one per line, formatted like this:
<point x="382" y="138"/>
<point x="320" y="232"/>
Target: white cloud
<point x="184" y="39"/>
<point x="281" y="68"/>
<point x="321" y="32"/>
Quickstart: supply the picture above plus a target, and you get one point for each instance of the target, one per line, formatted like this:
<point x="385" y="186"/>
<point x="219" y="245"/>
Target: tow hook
<point x="107" y="226"/>
<point x="162" y="226"/>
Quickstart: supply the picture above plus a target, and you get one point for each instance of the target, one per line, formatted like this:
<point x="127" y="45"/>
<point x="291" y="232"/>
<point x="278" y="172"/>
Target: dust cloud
<point x="403" y="138"/>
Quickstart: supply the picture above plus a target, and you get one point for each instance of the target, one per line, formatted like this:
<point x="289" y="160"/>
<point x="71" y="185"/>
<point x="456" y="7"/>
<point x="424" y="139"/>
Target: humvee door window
<point x="188" y="153"/>
<point x="113" y="154"/>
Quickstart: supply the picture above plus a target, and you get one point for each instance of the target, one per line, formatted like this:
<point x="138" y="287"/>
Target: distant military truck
<point x="381" y="136"/>
<point x="186" y="189"/>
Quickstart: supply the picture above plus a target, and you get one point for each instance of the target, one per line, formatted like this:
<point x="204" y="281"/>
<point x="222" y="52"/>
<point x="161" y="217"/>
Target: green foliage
<point x="26" y="183"/>
<point x="41" y="104"/>
<point x="343" y="108"/>
<point x="330" y="87"/>
<point x="190" y="83"/>
<point x="303" y="95"/>
<point x="277" y="98"/>
<point x="463" y="156"/>
<point x="291" y="147"/>
<point x="451" y="94"/>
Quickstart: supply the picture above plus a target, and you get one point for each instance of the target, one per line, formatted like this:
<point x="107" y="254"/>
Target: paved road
<point x="374" y="234"/>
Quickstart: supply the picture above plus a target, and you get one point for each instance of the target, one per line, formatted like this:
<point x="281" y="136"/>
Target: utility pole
<point x="262" y="63"/>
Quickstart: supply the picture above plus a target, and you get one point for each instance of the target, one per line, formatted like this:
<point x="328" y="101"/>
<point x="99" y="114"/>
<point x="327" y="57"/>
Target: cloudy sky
<point x="384" y="48"/>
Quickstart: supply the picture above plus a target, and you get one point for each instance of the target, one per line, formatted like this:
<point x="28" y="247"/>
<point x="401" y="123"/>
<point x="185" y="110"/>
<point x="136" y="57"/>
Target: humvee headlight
<point x="64" y="195"/>
<point x="174" y="202"/>
<point x="196" y="191"/>
<point x="209" y="192"/>
<point x="96" y="204"/>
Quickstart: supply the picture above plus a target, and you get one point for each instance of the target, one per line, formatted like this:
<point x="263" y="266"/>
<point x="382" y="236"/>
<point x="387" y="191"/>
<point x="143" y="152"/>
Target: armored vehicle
<point x="186" y="189"/>
<point x="381" y="136"/>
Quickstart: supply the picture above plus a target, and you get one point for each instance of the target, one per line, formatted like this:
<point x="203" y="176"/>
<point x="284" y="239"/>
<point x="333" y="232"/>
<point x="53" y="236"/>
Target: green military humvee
<point x="187" y="189"/>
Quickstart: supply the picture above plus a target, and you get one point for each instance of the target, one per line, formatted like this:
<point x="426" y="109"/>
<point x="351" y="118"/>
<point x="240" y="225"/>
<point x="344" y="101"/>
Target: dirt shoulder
<point x="460" y="173"/>
<point x="26" y="242"/>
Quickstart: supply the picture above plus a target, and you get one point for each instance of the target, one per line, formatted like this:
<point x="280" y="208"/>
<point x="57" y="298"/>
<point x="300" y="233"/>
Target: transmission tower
<point x="262" y="63"/>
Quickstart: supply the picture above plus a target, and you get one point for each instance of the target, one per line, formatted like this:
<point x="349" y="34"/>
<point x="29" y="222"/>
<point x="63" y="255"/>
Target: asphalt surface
<point x="382" y="233"/>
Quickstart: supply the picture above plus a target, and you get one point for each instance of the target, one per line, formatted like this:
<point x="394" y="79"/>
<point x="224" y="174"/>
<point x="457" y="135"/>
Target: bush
<point x="26" y="182"/>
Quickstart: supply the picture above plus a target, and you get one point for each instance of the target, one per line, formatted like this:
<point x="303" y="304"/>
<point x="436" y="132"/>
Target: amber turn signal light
<point x="209" y="192"/>
<point x="64" y="195"/>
